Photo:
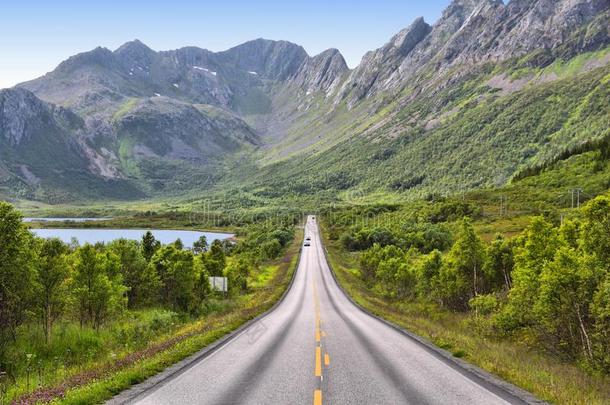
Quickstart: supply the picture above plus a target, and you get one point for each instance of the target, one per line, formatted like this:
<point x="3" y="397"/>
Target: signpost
<point x="219" y="284"/>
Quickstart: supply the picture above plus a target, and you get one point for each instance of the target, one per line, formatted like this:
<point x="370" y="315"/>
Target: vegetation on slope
<point x="519" y="288"/>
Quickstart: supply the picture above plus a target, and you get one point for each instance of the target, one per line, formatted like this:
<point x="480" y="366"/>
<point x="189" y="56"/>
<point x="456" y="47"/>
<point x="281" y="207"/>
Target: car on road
<point x="308" y="238"/>
<point x="307" y="243"/>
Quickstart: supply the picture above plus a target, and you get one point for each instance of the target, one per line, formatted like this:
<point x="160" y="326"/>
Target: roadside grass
<point x="104" y="376"/>
<point x="544" y="375"/>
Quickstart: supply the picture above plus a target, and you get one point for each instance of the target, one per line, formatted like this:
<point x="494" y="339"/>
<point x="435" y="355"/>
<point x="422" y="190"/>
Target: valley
<point x="453" y="185"/>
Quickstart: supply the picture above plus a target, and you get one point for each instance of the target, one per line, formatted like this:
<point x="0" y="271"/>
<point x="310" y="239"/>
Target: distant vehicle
<point x="308" y="238"/>
<point x="307" y="243"/>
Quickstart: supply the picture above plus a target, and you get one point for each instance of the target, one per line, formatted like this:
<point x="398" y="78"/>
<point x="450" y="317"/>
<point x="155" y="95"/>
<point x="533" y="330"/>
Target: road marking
<point x="318" y="361"/>
<point x="317" y="397"/>
<point x="326" y="359"/>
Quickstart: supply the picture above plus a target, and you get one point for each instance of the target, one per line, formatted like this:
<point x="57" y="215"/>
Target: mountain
<point x="42" y="150"/>
<point x="487" y="92"/>
<point x="481" y="95"/>
<point x="472" y="32"/>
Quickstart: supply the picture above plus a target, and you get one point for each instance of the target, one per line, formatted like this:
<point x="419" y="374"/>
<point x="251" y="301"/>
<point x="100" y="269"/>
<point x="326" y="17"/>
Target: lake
<point x="93" y="236"/>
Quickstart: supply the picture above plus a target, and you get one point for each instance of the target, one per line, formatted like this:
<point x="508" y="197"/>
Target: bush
<point x="270" y="249"/>
<point x="483" y="305"/>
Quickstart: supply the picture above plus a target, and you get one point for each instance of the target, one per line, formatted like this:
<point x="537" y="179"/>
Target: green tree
<point x="203" y="289"/>
<point x="16" y="272"/>
<point x="428" y="269"/>
<point x="200" y="245"/>
<point x="386" y="275"/>
<point x="214" y="260"/>
<point x="465" y="261"/>
<point x="567" y="286"/>
<point x="373" y="257"/>
<point x="149" y="245"/>
<point x="270" y="249"/>
<point x="176" y="270"/>
<point x="539" y="243"/>
<point x="499" y="264"/>
<point x="600" y="310"/>
<point x="237" y="272"/>
<point x="450" y="287"/>
<point x="97" y="286"/>
<point x="406" y="275"/>
<point x="51" y="283"/>
<point x="596" y="229"/>
<point x="141" y="279"/>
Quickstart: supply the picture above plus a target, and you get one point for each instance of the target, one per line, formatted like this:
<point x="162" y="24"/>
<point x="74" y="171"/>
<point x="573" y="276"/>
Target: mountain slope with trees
<point x="486" y="93"/>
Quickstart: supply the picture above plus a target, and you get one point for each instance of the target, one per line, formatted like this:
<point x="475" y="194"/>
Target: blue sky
<point x="36" y="35"/>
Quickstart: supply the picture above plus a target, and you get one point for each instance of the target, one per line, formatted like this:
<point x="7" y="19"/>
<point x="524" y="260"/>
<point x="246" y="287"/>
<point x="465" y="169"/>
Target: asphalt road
<point x="317" y="347"/>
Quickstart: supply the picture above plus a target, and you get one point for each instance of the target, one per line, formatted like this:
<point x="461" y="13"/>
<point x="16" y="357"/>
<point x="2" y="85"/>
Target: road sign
<point x="219" y="283"/>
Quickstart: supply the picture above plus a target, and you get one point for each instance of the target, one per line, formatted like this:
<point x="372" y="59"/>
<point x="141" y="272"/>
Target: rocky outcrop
<point x="478" y="31"/>
<point x="378" y="66"/>
<point x="23" y="117"/>
<point x="496" y="32"/>
<point x="323" y="72"/>
<point x="277" y="60"/>
<point x="177" y="130"/>
<point x="41" y="142"/>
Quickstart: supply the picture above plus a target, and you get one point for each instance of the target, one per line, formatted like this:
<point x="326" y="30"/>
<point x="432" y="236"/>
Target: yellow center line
<point x="318" y="361"/>
<point x="317" y="397"/>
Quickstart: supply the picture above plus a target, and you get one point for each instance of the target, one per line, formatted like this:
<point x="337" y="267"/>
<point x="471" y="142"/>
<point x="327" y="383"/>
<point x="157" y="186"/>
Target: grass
<point x="545" y="376"/>
<point x="124" y="109"/>
<point x="99" y="379"/>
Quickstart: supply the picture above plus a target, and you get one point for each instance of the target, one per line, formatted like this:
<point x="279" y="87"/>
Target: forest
<point x="549" y="286"/>
<point x="65" y="306"/>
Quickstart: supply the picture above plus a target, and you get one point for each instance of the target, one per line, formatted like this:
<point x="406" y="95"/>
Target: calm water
<point x="107" y="235"/>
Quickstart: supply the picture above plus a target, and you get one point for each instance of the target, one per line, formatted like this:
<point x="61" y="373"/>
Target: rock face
<point x="276" y="60"/>
<point x="24" y="119"/>
<point x="323" y="72"/>
<point x="478" y="31"/>
<point x="377" y="67"/>
<point x="99" y="78"/>
<point x="43" y="143"/>
<point x="177" y="130"/>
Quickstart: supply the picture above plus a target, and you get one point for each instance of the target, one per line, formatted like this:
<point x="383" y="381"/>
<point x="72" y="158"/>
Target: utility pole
<point x="576" y="197"/>
<point x="503" y="205"/>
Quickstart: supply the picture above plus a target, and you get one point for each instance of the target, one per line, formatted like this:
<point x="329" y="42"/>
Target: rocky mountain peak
<point x="407" y="38"/>
<point x="378" y="66"/>
<point x="97" y="57"/>
<point x="135" y="50"/>
<point x="135" y="55"/>
<point x="476" y="31"/>
<point x="322" y="72"/>
<point x="270" y="59"/>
